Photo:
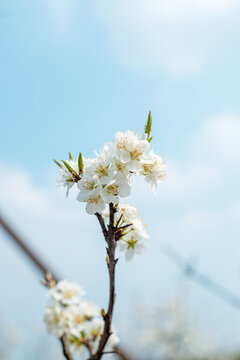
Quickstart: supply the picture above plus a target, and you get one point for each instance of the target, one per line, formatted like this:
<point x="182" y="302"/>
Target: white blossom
<point x="66" y="178"/>
<point x="131" y="237"/>
<point x="154" y="168"/>
<point x="56" y="319"/>
<point x="131" y="247"/>
<point x="130" y="147"/>
<point x="68" y="313"/>
<point x="111" y="191"/>
<point x="102" y="166"/>
<point x="90" y="192"/>
<point x="105" y="178"/>
<point x="66" y="292"/>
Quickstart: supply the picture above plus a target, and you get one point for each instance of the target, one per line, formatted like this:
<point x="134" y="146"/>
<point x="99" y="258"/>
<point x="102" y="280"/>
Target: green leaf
<point x="150" y="139"/>
<point x="58" y="163"/>
<point x="70" y="156"/>
<point x="80" y="163"/>
<point x="103" y="313"/>
<point x="70" y="169"/>
<point x="83" y="334"/>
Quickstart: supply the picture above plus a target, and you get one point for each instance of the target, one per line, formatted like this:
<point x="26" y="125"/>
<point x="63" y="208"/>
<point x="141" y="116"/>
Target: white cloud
<point x="179" y="36"/>
<point x="220" y="139"/>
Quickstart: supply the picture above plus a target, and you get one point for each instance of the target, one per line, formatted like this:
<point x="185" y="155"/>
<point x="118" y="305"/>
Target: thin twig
<point x="25" y="247"/>
<point x="88" y="345"/>
<point x="122" y="353"/>
<point x="110" y="239"/>
<point x="119" y="220"/>
<point x="124" y="226"/>
<point x="65" y="346"/>
<point x="102" y="223"/>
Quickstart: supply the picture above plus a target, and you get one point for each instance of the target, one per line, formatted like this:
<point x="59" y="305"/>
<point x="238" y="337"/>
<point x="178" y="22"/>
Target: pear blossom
<point x="55" y="319"/>
<point x="153" y="168"/>
<point x="105" y="178"/>
<point x="133" y="231"/>
<point x="66" y="292"/>
<point x="108" y="177"/>
<point x="130" y="147"/>
<point x="67" y="178"/>
<point x="90" y="188"/>
<point x="131" y="247"/>
<point x="102" y="166"/>
<point x="70" y="314"/>
<point x="111" y="191"/>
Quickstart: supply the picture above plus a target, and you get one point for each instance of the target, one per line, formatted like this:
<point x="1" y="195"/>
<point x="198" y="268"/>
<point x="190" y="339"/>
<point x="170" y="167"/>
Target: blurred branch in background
<point x="205" y="281"/>
<point x="45" y="270"/>
<point x="167" y="331"/>
<point x="26" y="249"/>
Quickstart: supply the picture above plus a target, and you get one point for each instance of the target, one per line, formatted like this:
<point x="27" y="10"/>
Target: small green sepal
<point x="58" y="163"/>
<point x="70" y="156"/>
<point x="80" y="163"/>
<point x="70" y="169"/>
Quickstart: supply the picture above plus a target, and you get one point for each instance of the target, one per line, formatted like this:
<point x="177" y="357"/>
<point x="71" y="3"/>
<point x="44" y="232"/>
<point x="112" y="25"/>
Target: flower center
<point x="131" y="243"/>
<point x="102" y="171"/>
<point x="113" y="189"/>
<point x="87" y="185"/>
<point x="78" y="319"/>
<point x="68" y="294"/>
<point x="149" y="167"/>
<point x="135" y="155"/>
<point x="120" y="166"/>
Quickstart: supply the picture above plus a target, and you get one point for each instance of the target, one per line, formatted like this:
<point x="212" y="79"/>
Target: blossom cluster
<point x="105" y="178"/>
<point x="69" y="313"/>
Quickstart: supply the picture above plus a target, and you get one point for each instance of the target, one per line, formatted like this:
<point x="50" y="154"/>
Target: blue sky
<point x="72" y="74"/>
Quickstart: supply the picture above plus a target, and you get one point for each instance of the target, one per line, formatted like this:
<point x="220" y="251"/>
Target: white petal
<point x="124" y="190"/>
<point x="100" y="206"/>
<point x="108" y="197"/>
<point x="125" y="156"/>
<point x="91" y="208"/>
<point x="83" y="195"/>
<point x="122" y="245"/>
<point x="140" y="248"/>
<point x="129" y="255"/>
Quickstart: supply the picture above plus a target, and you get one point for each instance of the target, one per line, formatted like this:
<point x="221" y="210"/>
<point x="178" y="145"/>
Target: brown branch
<point x="203" y="280"/>
<point x="25" y="247"/>
<point x="49" y="278"/>
<point x="65" y="346"/>
<point x="110" y="239"/>
<point x="103" y="226"/>
<point x="122" y="353"/>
